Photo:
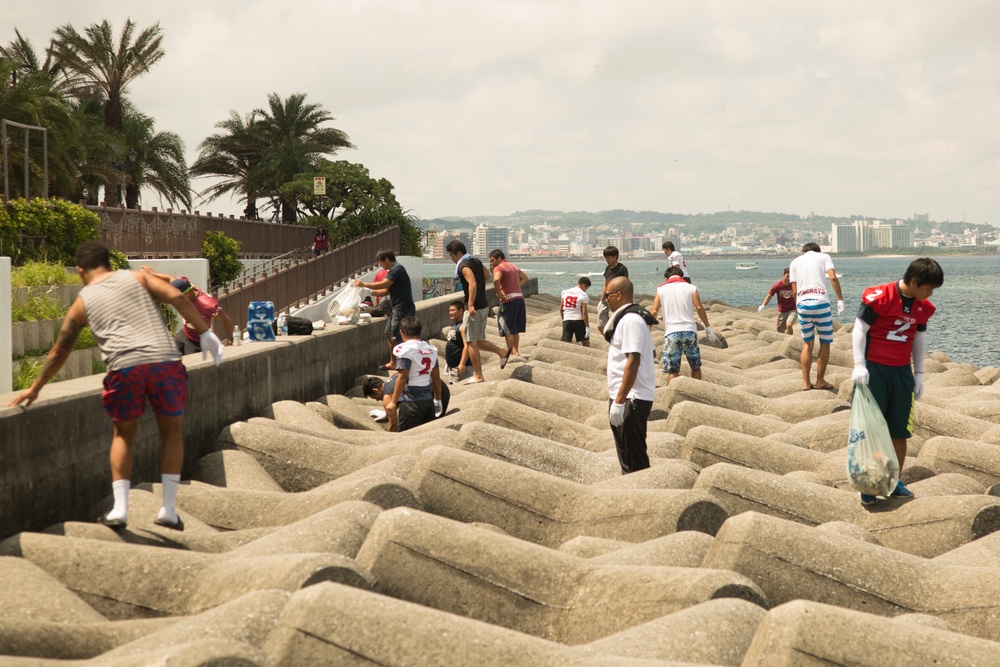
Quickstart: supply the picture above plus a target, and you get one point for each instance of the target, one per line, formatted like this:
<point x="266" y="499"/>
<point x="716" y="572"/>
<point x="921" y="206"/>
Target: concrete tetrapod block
<point x="684" y="549"/>
<point x="350" y="413"/>
<point x="791" y="561"/>
<point x="381" y="484"/>
<point x="979" y="460"/>
<point x="823" y="434"/>
<point x="202" y="653"/>
<point x="116" y="579"/>
<point x="553" y="377"/>
<point x="685" y="389"/>
<point x="70" y="641"/>
<point x="803" y="633"/>
<point x="925" y="527"/>
<point x="302" y="416"/>
<point x="478" y="573"/>
<point x="520" y="417"/>
<point x="687" y="415"/>
<point x="570" y="360"/>
<point x="708" y="445"/>
<point x="234" y="469"/>
<point x="717" y="632"/>
<point x="248" y="619"/>
<point x="330" y="624"/>
<point x="302" y="462"/>
<point x="575" y="348"/>
<point x="566" y="461"/>
<point x="930" y="421"/>
<point x="548" y="510"/>
<point x="32" y="594"/>
<point x="557" y="402"/>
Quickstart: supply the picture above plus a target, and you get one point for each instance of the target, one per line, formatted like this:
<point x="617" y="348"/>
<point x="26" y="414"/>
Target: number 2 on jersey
<point x="897" y="334"/>
<point x="426" y="363"/>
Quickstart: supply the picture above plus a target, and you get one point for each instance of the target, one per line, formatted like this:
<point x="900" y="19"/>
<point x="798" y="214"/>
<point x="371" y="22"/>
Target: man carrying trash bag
<point x="888" y="333"/>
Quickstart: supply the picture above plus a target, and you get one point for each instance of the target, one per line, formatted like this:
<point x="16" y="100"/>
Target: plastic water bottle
<point x="237" y="338"/>
<point x="282" y="325"/>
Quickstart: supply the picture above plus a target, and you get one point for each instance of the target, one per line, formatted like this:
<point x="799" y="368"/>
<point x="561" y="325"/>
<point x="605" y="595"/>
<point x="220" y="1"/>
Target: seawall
<point x="55" y="453"/>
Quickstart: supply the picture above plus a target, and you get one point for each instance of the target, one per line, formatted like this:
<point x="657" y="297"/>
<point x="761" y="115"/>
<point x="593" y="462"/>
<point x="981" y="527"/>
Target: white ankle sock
<point x="120" y="490"/>
<point x="169" y="509"/>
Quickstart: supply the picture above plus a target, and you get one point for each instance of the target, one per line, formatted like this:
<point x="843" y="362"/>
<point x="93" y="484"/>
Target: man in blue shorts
<point x="680" y="301"/>
<point x="143" y="362"/>
<point x="508" y="282"/>
<point x="808" y="273"/>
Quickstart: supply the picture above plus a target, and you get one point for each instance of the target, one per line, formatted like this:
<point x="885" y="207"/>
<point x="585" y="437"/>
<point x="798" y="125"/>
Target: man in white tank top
<point x="680" y="300"/>
<point x="142" y="361"/>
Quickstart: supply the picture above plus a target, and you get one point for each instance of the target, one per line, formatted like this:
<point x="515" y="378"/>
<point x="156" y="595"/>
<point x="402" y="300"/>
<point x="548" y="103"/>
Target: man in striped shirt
<point x="143" y="362"/>
<point x="808" y="273"/>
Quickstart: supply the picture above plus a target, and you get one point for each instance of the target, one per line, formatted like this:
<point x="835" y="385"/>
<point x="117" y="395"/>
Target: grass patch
<point x="34" y="274"/>
<point x="97" y="366"/>
<point x="26" y="373"/>
<point x="38" y="307"/>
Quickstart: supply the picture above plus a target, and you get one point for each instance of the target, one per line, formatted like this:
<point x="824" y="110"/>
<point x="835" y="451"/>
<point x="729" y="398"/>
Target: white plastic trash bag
<point x="345" y="306"/>
<point x="872" y="467"/>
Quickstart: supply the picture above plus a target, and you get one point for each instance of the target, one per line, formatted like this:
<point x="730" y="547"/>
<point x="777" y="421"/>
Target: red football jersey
<point x="890" y="339"/>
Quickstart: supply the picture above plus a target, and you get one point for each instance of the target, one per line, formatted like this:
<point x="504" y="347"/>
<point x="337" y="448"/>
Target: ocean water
<point x="963" y="327"/>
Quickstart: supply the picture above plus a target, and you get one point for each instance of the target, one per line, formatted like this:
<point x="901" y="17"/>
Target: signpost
<point x="319" y="185"/>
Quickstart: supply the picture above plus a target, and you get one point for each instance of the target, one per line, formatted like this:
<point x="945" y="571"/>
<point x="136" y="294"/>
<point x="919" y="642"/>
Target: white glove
<point x="616" y="414"/>
<point x="210" y="343"/>
<point x="918" y="385"/>
<point x="760" y="308"/>
<point x="710" y="332"/>
<point x="840" y="306"/>
<point x="860" y="375"/>
<point x="438" y="409"/>
<point x="377" y="415"/>
<point x="586" y="333"/>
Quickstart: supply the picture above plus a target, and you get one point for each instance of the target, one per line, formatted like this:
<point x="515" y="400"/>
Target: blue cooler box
<point x="260" y="316"/>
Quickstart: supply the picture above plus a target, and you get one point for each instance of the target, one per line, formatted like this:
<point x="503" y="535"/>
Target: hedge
<point x="44" y="230"/>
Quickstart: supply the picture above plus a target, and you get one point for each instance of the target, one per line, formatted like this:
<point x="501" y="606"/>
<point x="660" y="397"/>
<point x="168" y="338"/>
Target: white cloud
<point x="482" y="106"/>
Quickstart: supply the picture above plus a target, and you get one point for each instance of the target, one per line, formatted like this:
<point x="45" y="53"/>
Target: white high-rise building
<point x="864" y="235"/>
<point x="489" y="239"/>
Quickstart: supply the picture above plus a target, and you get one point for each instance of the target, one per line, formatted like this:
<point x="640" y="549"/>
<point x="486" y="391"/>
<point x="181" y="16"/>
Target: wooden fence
<point x="167" y="234"/>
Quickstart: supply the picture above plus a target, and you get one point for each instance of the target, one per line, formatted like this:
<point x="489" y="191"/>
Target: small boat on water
<point x="747" y="266"/>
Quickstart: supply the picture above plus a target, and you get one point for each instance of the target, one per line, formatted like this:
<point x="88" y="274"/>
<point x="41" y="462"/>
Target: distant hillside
<point x="655" y="221"/>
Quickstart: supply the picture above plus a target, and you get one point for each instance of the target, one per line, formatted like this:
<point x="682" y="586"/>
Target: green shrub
<point x="118" y="260"/>
<point x="38" y="307"/>
<point x="37" y="274"/>
<point x="223" y="255"/>
<point x="45" y="230"/>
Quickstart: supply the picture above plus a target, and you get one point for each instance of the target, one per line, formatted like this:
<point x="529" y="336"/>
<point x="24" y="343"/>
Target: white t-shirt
<point x="677" y="259"/>
<point x="809" y="273"/>
<point x="419" y="358"/>
<point x="572" y="303"/>
<point x="677" y="302"/>
<point x="632" y="335"/>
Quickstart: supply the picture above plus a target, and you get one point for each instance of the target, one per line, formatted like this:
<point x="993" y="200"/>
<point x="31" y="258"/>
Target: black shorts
<point x="573" y="328"/>
<point x="892" y="389"/>
<point x="411" y="414"/>
<point x="392" y="324"/>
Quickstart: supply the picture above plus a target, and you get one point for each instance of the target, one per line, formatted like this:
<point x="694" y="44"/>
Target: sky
<point x="475" y="107"/>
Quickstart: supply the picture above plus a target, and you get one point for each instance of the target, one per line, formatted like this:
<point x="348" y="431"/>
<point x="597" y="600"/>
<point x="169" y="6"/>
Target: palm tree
<point x="234" y="155"/>
<point x="33" y="101"/>
<point x="291" y="133"/>
<point x="108" y="65"/>
<point x="155" y="160"/>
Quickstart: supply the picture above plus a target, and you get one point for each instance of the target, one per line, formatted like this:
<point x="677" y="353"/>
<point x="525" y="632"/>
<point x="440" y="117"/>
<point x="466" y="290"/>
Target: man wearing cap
<point x="208" y="307"/>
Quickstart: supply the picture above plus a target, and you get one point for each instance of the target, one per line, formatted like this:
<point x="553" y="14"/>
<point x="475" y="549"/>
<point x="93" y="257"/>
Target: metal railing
<point x="302" y="281"/>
